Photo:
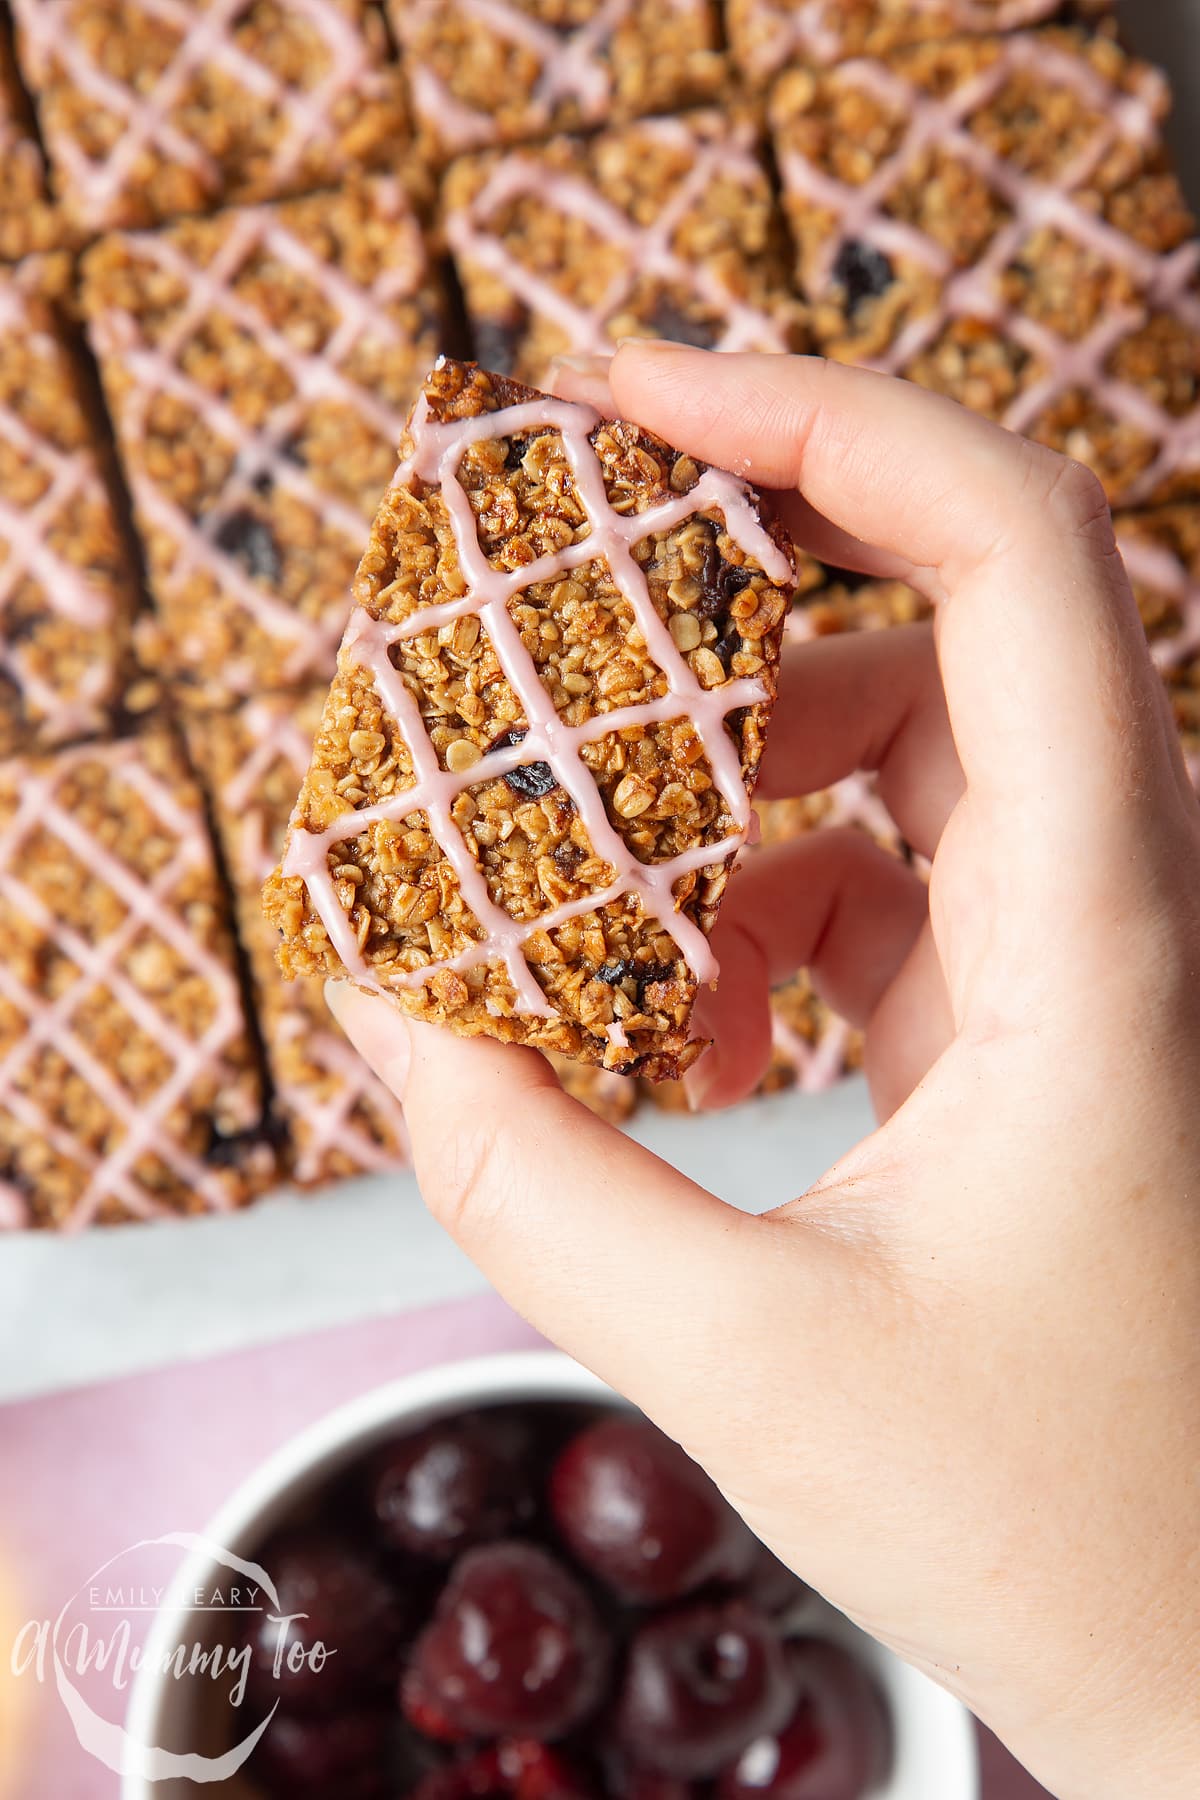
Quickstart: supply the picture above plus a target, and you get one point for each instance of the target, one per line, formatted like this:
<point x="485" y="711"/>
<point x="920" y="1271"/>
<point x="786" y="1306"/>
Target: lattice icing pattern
<point x="995" y="218"/>
<point x="259" y="366"/>
<point x="153" y="108"/>
<point x="339" y="1118"/>
<point x="1161" y="549"/>
<point x="499" y="71"/>
<point x="559" y="873"/>
<point x="764" y="35"/>
<point x="666" y="228"/>
<point x="65" y="593"/>
<point x="127" y="1087"/>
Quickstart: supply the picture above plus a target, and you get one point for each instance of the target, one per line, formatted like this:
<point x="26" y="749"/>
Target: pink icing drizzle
<point x="646" y="250"/>
<point x="142" y="1126"/>
<point x="1154" y="566"/>
<point x="147" y="123"/>
<point x="1163" y="281"/>
<point x="328" y="1121"/>
<point x="437" y="451"/>
<point x="316" y="376"/>
<point x="72" y="481"/>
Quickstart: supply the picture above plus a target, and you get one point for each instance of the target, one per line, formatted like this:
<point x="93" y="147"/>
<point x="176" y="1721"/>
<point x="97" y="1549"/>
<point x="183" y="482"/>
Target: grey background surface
<point x="78" y="1310"/>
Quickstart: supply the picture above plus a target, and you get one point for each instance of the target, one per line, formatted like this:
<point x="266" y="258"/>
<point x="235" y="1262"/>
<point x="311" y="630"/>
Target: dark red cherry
<point x="319" y="1759"/>
<point x="337" y="1629"/>
<point x="637" y="1511"/>
<point x="700" y="1684"/>
<point x="648" y="1784"/>
<point x="515" y="1646"/>
<point x="515" y="1770"/>
<point x="837" y="1744"/>
<point x="458" y="1483"/>
<point x="425" y="1713"/>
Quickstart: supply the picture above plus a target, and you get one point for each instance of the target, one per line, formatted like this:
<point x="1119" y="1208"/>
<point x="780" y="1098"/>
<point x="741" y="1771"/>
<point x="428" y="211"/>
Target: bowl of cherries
<point x="496" y="1581"/>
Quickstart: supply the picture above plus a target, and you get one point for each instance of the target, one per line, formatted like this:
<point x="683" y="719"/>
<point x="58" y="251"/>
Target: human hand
<point x="956" y="1384"/>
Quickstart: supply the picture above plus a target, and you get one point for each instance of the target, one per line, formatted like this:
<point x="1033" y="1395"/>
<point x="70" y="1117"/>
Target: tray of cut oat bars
<point x="250" y="267"/>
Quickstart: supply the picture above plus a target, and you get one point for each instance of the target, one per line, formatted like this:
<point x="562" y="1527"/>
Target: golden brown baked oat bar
<point x="66" y="592"/>
<point x="28" y="222"/>
<point x="995" y="218"/>
<point x="1161" y="549"/>
<point x="766" y="34"/>
<point x="154" y="108"/>
<point x="259" y="365"/>
<point x="664" y="229"/>
<point x="500" y="71"/>
<point x="338" y="1117"/>
<point x="127" y="1083"/>
<point x="531" y="778"/>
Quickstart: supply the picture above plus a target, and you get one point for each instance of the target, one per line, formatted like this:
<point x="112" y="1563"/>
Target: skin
<point x="956" y="1384"/>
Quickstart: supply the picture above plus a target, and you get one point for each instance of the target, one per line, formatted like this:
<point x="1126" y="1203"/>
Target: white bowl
<point x="936" y="1754"/>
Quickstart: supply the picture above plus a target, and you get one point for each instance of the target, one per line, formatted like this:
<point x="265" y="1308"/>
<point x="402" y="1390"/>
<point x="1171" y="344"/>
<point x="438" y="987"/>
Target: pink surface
<point x="90" y="1471"/>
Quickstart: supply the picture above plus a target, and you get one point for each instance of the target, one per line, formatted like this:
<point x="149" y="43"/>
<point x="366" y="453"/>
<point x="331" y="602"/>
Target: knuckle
<point x="1074" y="495"/>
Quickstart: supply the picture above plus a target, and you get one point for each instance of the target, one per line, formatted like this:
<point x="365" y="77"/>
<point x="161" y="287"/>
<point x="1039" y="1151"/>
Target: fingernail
<point x="378" y="1031"/>
<point x="700" y="1080"/>
<point x="651" y="343"/>
<point x="591" y="363"/>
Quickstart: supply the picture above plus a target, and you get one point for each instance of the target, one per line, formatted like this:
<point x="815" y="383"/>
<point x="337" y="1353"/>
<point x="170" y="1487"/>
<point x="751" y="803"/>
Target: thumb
<point x="641" y="1274"/>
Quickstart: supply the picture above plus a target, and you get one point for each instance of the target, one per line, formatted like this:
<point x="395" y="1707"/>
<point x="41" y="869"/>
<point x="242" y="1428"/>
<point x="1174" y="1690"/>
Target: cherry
<point x="515" y="1646"/>
<point x="349" y="1609"/>
<point x="345" y="1756"/>
<point x="837" y="1744"/>
<point x="425" y="1713"/>
<point x="702" y="1683"/>
<point x="515" y="1770"/>
<point x="639" y="1513"/>
<point x="457" y="1483"/>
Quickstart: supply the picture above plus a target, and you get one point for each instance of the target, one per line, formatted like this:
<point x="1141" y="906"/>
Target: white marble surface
<point x="78" y="1310"/>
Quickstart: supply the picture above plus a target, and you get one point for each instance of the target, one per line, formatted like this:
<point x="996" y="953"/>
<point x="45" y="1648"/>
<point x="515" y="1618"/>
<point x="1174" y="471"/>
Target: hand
<point x="956" y="1385"/>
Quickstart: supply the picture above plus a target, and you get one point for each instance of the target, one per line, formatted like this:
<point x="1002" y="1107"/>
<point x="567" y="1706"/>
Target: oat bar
<point x="664" y="229"/>
<point x="259" y="365"/>
<point x="127" y="1084"/>
<point x="338" y="1118"/>
<point x="501" y="71"/>
<point x="28" y="222"/>
<point x="995" y="218"/>
<point x="66" y="593"/>
<point x="1161" y="549"/>
<point x="532" y="774"/>
<point x="154" y="108"/>
<point x="764" y="35"/>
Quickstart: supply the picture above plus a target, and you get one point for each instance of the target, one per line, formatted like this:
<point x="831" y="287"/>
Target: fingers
<point x="909" y="1029"/>
<point x="602" y="1246"/>
<point x="832" y="902"/>
<point x="1049" y="687"/>
<point x="868" y="700"/>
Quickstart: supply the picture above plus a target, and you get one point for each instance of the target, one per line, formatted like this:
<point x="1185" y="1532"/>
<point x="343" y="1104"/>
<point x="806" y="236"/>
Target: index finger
<point x="1051" y="693"/>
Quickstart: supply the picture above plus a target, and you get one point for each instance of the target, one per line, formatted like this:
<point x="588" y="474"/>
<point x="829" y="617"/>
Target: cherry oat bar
<point x="259" y="365"/>
<point x="666" y="228"/>
<point x="500" y="71"/>
<point x="66" y="594"/>
<point x="153" y="108"/>
<point x="764" y="35"/>
<point x="532" y="775"/>
<point x="127" y="1082"/>
<point x="338" y="1118"/>
<point x="995" y="218"/>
